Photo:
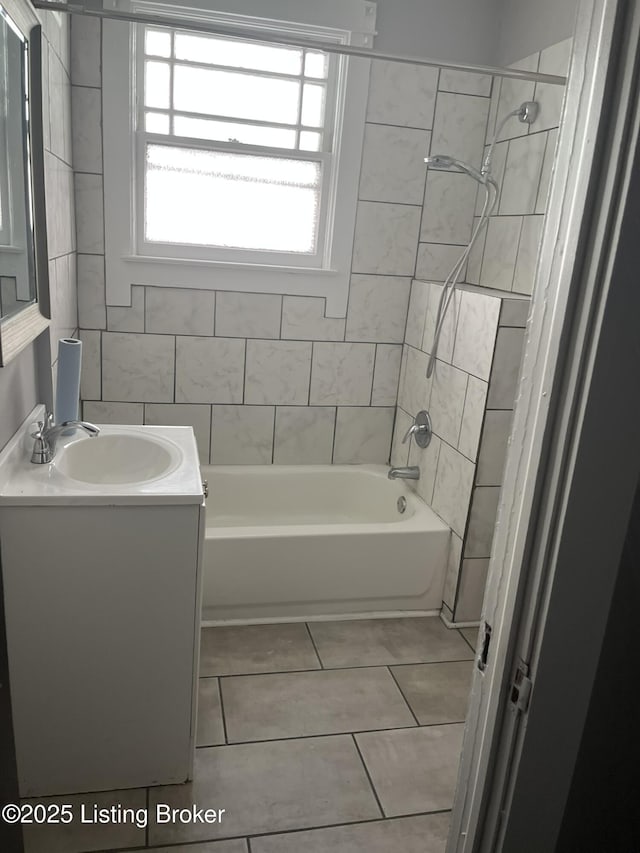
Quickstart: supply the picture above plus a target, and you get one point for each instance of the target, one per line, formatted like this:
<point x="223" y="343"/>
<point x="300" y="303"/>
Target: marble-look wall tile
<point x="127" y="318"/>
<point x="363" y="435"/>
<point x="553" y="60"/>
<point x="90" y="379"/>
<point x="464" y="82"/>
<point x="172" y="414"/>
<point x="248" y="315"/>
<point x="303" y="318"/>
<point x="476" y="332"/>
<point x="56" y="107"/>
<point x="86" y="51"/>
<point x="426" y="458"/>
<point x="304" y="435"/>
<point x="493" y="448"/>
<point x="209" y="370"/>
<point x="482" y="521"/>
<point x="92" y="313"/>
<point x="436" y="260"/>
<point x="459" y="127"/>
<point x="400" y="451"/>
<point x="416" y="313"/>
<point x="242" y="435"/>
<point x="278" y="373"/>
<point x="547" y="166"/>
<point x="503" y="384"/>
<point x="522" y="175"/>
<point x="473" y="580"/>
<point x="449" y="200"/>
<point x="97" y="412"/>
<point x="137" y="368"/>
<point x="386" y="238"/>
<point x="500" y="251"/>
<point x="46" y="97"/>
<point x="474" y="412"/>
<point x="415" y="389"/>
<point x="402" y="94"/>
<point x="527" y="258"/>
<point x="452" y="491"/>
<point x="86" y="111"/>
<point x="377" y="308"/>
<point x="513" y="93"/>
<point x="446" y="340"/>
<point x="342" y="374"/>
<point x="176" y="311"/>
<point x="453" y="571"/>
<point x="89" y="214"/>
<point x="386" y="375"/>
<point x="393" y="166"/>
<point x="515" y="312"/>
<point x="448" y="392"/>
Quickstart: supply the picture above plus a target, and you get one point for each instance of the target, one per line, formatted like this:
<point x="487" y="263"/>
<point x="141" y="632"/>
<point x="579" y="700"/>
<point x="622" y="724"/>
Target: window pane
<point x="310" y="140"/>
<point x="238" y="54"/>
<point x="156" y="122"/>
<point x="214" y="198"/>
<point x="315" y="65"/>
<point x="156" y="84"/>
<point x="227" y="93"/>
<point x="226" y="131"/>
<point x="157" y="43"/>
<point x="313" y="105"/>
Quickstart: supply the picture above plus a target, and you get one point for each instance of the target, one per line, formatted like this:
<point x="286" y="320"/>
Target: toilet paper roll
<point x="68" y="381"/>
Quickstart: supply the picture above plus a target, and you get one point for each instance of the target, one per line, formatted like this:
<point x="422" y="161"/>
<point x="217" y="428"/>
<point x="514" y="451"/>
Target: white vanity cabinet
<point x="102" y="602"/>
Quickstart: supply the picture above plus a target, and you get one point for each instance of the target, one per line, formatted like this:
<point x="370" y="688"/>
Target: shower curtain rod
<point x="295" y="41"/>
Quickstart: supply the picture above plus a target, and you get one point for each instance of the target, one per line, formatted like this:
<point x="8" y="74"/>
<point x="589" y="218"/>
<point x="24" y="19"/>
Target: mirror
<point x="21" y="186"/>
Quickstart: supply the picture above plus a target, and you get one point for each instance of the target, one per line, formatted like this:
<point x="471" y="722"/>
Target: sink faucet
<point x="44" y="447"/>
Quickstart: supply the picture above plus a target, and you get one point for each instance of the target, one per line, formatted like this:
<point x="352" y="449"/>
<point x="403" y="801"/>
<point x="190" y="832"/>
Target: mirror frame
<point x="20" y="329"/>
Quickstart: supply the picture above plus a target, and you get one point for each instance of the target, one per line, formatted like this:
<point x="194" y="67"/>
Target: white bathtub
<point x="291" y="542"/>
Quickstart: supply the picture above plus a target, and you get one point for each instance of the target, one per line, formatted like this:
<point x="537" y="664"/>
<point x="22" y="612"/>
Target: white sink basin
<point x="123" y="465"/>
<point x="111" y="459"/>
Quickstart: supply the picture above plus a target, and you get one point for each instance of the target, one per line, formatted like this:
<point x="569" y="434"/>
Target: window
<point x="231" y="131"/>
<point x="231" y="163"/>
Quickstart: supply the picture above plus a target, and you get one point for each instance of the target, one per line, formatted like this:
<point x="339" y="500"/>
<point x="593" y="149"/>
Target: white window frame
<point x="129" y="262"/>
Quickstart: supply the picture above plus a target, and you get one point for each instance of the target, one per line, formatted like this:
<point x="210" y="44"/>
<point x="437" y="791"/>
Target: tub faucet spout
<point x="411" y="472"/>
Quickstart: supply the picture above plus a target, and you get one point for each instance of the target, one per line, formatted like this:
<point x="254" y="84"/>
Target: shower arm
<point x="527" y="112"/>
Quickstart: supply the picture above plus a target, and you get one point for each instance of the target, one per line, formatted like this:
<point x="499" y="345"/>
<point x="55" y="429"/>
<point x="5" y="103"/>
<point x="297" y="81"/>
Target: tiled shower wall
<point x="265" y="378"/>
<point x="473" y="390"/>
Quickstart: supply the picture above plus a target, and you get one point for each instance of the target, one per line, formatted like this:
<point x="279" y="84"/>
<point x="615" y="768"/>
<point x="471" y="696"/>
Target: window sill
<point x="196" y="274"/>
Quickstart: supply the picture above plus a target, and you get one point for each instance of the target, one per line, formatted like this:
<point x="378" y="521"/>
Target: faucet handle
<point x="421" y="429"/>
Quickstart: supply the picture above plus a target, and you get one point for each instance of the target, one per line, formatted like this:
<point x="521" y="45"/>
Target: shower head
<point x="444" y="161"/>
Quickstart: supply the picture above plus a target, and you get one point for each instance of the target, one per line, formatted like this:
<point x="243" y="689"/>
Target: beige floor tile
<point x="377" y="642"/>
<point x="234" y="846"/>
<point x="270" y="787"/>
<point x="261" y="707"/>
<point x="78" y="837"/>
<point x="437" y="692"/>
<point x="239" y="649"/>
<point x="210" y="730"/>
<point x="413" y="770"/>
<point x="470" y="635"/>
<point x="424" y="834"/>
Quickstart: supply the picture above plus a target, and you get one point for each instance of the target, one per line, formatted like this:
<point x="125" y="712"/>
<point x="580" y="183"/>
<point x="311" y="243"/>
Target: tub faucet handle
<point x="421" y="429"/>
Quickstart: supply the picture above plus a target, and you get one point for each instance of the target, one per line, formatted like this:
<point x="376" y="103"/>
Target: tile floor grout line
<point x="222" y="714"/>
<point x="338" y="668"/>
<point x="411" y="726"/>
<point x="313" y="642"/>
<point x="408" y="704"/>
<point x="368" y="775"/>
<point x="249" y="838"/>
